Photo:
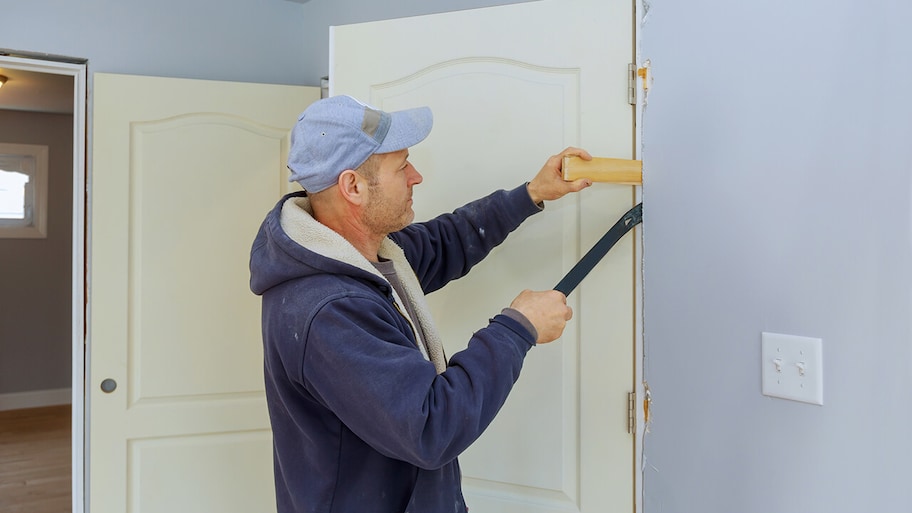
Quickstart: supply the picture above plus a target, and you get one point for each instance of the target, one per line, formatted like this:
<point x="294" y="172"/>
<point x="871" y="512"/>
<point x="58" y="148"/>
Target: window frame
<point x="35" y="225"/>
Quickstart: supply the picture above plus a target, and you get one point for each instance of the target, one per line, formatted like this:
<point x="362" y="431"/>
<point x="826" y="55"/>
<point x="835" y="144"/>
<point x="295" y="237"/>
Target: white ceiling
<point x="36" y="92"/>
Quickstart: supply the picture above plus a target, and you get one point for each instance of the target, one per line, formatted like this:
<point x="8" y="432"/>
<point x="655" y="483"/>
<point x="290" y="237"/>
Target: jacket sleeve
<point x="360" y="365"/>
<point x="446" y="247"/>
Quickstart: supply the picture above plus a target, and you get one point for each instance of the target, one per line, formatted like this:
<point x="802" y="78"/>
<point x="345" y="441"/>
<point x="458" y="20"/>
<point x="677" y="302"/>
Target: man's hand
<point x="549" y="183"/>
<point x="547" y="311"/>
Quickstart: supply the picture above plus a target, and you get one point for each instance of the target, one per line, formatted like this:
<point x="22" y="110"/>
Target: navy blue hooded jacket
<point x="362" y="421"/>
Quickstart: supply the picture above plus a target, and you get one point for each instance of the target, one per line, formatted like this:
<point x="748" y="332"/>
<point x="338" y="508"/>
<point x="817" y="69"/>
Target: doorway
<point x="47" y="87"/>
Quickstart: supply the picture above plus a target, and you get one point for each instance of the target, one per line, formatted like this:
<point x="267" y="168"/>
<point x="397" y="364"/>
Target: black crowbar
<point x="633" y="217"/>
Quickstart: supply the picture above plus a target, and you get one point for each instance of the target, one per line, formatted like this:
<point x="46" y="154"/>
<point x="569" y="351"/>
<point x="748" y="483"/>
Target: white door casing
<point x="510" y="86"/>
<point x="183" y="173"/>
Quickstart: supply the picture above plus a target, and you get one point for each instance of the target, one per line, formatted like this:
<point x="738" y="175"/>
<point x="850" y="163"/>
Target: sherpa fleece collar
<point x="298" y="223"/>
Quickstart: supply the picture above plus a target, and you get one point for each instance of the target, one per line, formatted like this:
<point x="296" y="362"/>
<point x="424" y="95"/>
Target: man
<point x="367" y="414"/>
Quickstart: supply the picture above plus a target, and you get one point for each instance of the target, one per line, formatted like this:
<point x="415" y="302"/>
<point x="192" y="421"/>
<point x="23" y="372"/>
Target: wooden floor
<point x="35" y="460"/>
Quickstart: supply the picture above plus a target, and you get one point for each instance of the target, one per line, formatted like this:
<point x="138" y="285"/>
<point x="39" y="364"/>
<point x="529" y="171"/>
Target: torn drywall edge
<point x="645" y="74"/>
<point x="644" y="416"/>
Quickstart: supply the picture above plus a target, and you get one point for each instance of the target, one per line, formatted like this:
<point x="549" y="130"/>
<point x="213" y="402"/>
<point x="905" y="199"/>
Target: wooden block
<point x="601" y="169"/>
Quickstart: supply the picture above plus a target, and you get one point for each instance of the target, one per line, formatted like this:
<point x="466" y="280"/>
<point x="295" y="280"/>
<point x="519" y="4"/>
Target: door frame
<point x="76" y="68"/>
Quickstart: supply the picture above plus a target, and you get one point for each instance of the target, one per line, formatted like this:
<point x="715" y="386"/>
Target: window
<point x="23" y="191"/>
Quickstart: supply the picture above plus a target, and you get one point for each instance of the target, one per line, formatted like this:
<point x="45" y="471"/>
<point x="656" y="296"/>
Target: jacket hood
<point x="292" y="244"/>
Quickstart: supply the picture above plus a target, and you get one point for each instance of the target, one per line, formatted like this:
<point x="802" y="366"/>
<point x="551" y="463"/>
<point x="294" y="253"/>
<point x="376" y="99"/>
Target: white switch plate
<point x="792" y="367"/>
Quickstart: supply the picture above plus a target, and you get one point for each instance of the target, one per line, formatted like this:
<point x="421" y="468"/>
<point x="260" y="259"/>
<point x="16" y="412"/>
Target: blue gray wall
<point x="778" y="197"/>
<point x="239" y="40"/>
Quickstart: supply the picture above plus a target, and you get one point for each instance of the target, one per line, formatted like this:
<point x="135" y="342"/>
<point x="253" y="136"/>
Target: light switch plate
<point x="792" y="367"/>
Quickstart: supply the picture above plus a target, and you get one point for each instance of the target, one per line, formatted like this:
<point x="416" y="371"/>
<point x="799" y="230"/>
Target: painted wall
<point x="36" y="274"/>
<point x="237" y="40"/>
<point x="778" y="194"/>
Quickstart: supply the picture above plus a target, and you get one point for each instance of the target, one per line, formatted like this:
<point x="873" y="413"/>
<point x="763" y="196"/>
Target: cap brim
<point x="407" y="128"/>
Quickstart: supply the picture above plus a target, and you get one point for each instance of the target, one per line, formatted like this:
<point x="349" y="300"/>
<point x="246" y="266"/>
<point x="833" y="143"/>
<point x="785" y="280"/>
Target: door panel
<point x="180" y="183"/>
<point x="505" y="96"/>
<point x="190" y="473"/>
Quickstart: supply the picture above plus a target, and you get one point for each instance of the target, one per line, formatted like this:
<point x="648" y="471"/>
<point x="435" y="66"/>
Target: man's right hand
<point x="547" y="311"/>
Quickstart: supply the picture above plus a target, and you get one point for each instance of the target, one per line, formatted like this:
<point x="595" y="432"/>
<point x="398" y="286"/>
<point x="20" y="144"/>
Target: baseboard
<point x="35" y="399"/>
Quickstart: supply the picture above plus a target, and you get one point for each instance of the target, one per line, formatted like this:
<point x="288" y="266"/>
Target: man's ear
<point x="352" y="187"/>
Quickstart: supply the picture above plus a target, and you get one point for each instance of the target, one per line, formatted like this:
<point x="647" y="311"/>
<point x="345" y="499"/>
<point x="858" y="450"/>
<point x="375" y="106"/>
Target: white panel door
<point x="509" y="86"/>
<point x="183" y="173"/>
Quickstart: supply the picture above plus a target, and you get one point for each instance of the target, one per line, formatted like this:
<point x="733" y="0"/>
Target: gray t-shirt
<point x="389" y="272"/>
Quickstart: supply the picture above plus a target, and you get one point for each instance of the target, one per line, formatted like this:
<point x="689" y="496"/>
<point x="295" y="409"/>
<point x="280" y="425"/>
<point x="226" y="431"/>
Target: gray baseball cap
<point x="339" y="133"/>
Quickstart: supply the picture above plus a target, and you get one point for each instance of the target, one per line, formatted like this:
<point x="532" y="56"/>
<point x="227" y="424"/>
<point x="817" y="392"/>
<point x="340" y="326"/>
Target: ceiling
<point x="36" y="92"/>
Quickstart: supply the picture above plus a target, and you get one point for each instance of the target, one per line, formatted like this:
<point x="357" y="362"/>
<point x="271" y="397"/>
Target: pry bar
<point x="633" y="217"/>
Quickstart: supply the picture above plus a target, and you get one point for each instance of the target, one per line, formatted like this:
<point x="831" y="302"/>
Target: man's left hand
<point x="549" y="183"/>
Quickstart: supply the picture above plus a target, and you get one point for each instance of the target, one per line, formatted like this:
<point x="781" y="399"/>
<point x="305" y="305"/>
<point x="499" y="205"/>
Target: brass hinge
<point x="631" y="84"/>
<point x="631" y="412"/>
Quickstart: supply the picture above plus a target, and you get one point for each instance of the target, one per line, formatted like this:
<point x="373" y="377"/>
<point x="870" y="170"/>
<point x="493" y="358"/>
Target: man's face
<point x="389" y="204"/>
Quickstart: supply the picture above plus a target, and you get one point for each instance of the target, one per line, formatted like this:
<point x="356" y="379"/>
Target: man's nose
<point x="414" y="176"/>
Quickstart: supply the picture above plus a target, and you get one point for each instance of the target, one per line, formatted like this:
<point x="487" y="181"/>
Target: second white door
<point x="184" y="172"/>
<point x="510" y="86"/>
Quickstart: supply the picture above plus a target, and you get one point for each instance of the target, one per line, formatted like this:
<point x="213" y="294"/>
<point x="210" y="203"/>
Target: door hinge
<point x="631" y="83"/>
<point x="631" y="412"/>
